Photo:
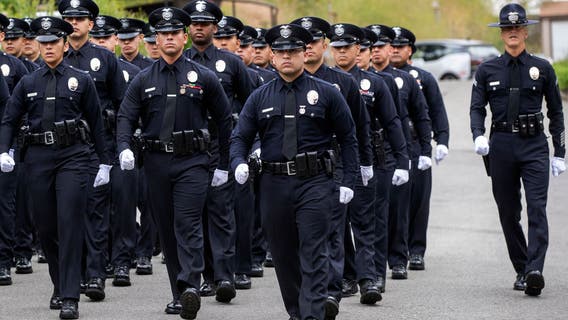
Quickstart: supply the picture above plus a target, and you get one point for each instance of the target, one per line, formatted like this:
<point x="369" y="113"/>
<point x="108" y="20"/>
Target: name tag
<point x="150" y="89"/>
<point x="494" y="83"/>
<point x="266" y="110"/>
<point x="33" y="94"/>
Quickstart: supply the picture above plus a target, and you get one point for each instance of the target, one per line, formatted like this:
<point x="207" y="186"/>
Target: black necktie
<point x="290" y="144"/>
<point x="49" y="104"/>
<point x="514" y="91"/>
<point x="170" y="111"/>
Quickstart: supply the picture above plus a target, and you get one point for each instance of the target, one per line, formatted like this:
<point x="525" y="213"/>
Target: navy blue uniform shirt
<point x="13" y="69"/>
<point x="129" y="70"/>
<point x="75" y="98"/>
<point x="321" y="112"/>
<point x="30" y="66"/>
<point x="265" y="74"/>
<point x="140" y="61"/>
<point x="4" y="95"/>
<point x="199" y="92"/>
<point x="538" y="80"/>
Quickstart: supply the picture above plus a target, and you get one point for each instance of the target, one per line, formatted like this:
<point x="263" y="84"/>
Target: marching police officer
<point x="57" y="100"/>
<point x="13" y="42"/>
<point x="7" y="205"/>
<point x="150" y="42"/>
<point x="129" y="37"/>
<point x="11" y="67"/>
<point x="262" y="53"/>
<point x="30" y="50"/>
<point x="246" y="52"/>
<point x="173" y="97"/>
<point x="514" y="85"/>
<point x="296" y="116"/>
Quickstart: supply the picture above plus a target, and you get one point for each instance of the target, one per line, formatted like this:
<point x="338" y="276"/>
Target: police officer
<point x="129" y="38"/>
<point x="421" y="189"/>
<point x="13" y="42"/>
<point x="173" y="97"/>
<point x="7" y="205"/>
<point x="31" y="47"/>
<point x="246" y="52"/>
<point x="220" y="220"/>
<point x="262" y="53"/>
<point x="514" y="85"/>
<point x="296" y="116"/>
<point x="150" y="42"/>
<point x="12" y="68"/>
<point x="57" y="99"/>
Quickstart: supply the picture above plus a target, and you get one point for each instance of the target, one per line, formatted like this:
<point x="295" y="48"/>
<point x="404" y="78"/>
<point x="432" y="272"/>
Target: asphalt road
<point x="468" y="274"/>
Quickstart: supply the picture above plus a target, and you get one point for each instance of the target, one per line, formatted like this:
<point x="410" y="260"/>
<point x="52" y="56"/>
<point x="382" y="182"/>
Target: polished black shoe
<point x="520" y="283"/>
<point x="144" y="266"/>
<point x="96" y="289"/>
<point x="55" y="302"/>
<point x="331" y="308"/>
<point x="348" y="287"/>
<point x="83" y="287"/>
<point x="225" y="291"/>
<point x="121" y="276"/>
<point x="41" y="257"/>
<point x="207" y="289"/>
<point x="190" y="303"/>
<point x="5" y="276"/>
<point x="268" y="262"/>
<point x="380" y="284"/>
<point x="416" y="262"/>
<point x="156" y="251"/>
<point x="242" y="281"/>
<point x="109" y="270"/>
<point x="534" y="283"/>
<point x="370" y="293"/>
<point x="256" y="271"/>
<point x="399" y="272"/>
<point x="69" y="309"/>
<point x="23" y="266"/>
<point x="173" y="307"/>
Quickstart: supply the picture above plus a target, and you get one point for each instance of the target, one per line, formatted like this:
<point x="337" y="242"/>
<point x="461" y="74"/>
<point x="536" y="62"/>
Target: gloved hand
<point x="257" y="152"/>
<point x="126" y="158"/>
<point x="345" y="195"/>
<point x="242" y="173"/>
<point x="220" y="177"/>
<point x="11" y="153"/>
<point x="6" y="162"/>
<point x="441" y="153"/>
<point x="103" y="176"/>
<point x="366" y="174"/>
<point x="424" y="163"/>
<point x="400" y="177"/>
<point x="481" y="146"/>
<point x="558" y="166"/>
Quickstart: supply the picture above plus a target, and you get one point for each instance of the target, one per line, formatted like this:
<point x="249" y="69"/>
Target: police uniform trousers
<point x="24" y="228"/>
<point x="97" y="221"/>
<point x="59" y="199"/>
<point x="398" y="224"/>
<point x="382" y="198"/>
<point x="124" y="194"/>
<point x="177" y="189"/>
<point x="244" y="218"/>
<point x="336" y="247"/>
<point x="8" y="182"/>
<point x="419" y="210"/>
<point x="295" y="219"/>
<point x="259" y="245"/>
<point x="514" y="159"/>
<point x="147" y="235"/>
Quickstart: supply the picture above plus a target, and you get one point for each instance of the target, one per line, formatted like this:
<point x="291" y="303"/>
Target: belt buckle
<point x="48" y="138"/>
<point x="291" y="168"/>
<point x="515" y="127"/>
<point x="169" y="147"/>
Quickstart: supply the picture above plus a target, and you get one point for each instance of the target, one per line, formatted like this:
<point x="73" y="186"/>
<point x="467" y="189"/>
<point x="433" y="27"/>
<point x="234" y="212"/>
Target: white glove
<point x="242" y="173"/>
<point x="6" y="162"/>
<point x="220" y="177"/>
<point x="558" y="166"/>
<point x="481" y="146"/>
<point x="441" y="153"/>
<point x="126" y="158"/>
<point x="11" y="153"/>
<point x="103" y="176"/>
<point x="424" y="163"/>
<point x="400" y="177"/>
<point x="345" y="195"/>
<point x="257" y="152"/>
<point x="366" y="174"/>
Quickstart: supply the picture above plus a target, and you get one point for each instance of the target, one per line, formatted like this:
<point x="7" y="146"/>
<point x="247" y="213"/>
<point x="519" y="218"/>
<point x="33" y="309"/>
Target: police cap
<point x="203" y="11"/>
<point x="48" y="29"/>
<point x="317" y="26"/>
<point x="16" y="28"/>
<point x="369" y="39"/>
<point x="247" y="36"/>
<point x="78" y="8"/>
<point x="344" y="34"/>
<point x="4" y="22"/>
<point x="104" y="26"/>
<point x="29" y="34"/>
<point x="130" y="28"/>
<point x="149" y="33"/>
<point x="260" y="41"/>
<point x="169" y="19"/>
<point x="404" y="37"/>
<point x="228" y="26"/>
<point x="288" y="36"/>
<point x="384" y="33"/>
<point x="512" y="14"/>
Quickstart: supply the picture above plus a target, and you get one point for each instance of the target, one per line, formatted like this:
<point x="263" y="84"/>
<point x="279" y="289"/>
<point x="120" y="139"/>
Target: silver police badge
<point x="285" y="31"/>
<point x="11" y="25"/>
<point x="396" y="31"/>
<point x="72" y="84"/>
<point x="513" y="17"/>
<point x="95" y="64"/>
<point x="337" y="86"/>
<point x="413" y="73"/>
<point x="126" y="76"/>
<point x="100" y="21"/>
<point x="220" y="65"/>
<point x="192" y="76"/>
<point x="75" y="3"/>
<point x="399" y="82"/>
<point x="534" y="73"/>
<point x="167" y="14"/>
<point x="365" y="84"/>
<point x="306" y="23"/>
<point x="45" y="23"/>
<point x="376" y="30"/>
<point x="5" y="70"/>
<point x="125" y="23"/>
<point x="339" y="30"/>
<point x="313" y="97"/>
<point x="200" y="6"/>
<point x="302" y="109"/>
<point x="223" y="22"/>
<point x="258" y="32"/>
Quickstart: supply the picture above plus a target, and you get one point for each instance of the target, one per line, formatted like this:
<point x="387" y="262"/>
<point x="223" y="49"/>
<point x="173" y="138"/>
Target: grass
<point x="561" y="69"/>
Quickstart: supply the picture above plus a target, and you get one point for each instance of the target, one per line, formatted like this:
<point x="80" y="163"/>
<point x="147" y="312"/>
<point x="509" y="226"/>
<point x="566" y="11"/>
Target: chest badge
<point x="313" y="97"/>
<point x="72" y="84"/>
<point x="399" y="82"/>
<point x="192" y="76"/>
<point x="126" y="76"/>
<point x="534" y="73"/>
<point x="302" y="110"/>
<point x="414" y="73"/>
<point x="365" y="84"/>
<point x="95" y="64"/>
<point x="337" y="87"/>
<point x="5" y="70"/>
<point x="220" y="65"/>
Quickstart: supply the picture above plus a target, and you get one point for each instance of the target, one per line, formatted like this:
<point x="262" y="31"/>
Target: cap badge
<point x="200" y="6"/>
<point x="376" y="30"/>
<point x="11" y="25"/>
<point x="95" y="64"/>
<point x="75" y="3"/>
<point x="45" y="23"/>
<point x="285" y="31"/>
<point x="72" y="84"/>
<point x="339" y="30"/>
<point x="192" y="76"/>
<point x="513" y="17"/>
<point x="306" y="23"/>
<point x="534" y="73"/>
<point x="223" y="22"/>
<point x="100" y="21"/>
<point x="397" y="31"/>
<point x="258" y="32"/>
<point x="125" y="23"/>
<point x="220" y="65"/>
<point x="313" y="97"/>
<point x="167" y="14"/>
